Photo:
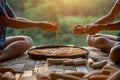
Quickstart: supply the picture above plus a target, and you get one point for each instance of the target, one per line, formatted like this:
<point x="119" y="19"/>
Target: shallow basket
<point x="41" y="56"/>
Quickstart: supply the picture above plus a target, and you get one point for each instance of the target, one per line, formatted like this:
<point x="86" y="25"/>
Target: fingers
<point x="88" y="29"/>
<point x="53" y="26"/>
<point x="50" y="26"/>
<point x="79" y="29"/>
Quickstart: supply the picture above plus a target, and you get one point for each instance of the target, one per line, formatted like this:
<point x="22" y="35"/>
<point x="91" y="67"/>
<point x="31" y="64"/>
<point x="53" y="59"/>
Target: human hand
<point x="92" y="28"/>
<point x="79" y="29"/>
<point x="49" y="26"/>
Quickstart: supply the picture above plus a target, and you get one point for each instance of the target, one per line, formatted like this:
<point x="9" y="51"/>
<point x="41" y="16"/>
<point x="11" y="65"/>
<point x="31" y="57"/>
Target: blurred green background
<point x="65" y="13"/>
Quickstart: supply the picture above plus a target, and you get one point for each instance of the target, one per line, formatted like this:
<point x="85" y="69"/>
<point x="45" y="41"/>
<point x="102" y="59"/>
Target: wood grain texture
<point x="30" y="67"/>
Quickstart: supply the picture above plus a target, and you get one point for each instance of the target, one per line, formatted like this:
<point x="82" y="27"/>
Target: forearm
<point x="105" y="19"/>
<point x="110" y="26"/>
<point x="23" y="19"/>
<point x="19" y="24"/>
<point x="114" y="12"/>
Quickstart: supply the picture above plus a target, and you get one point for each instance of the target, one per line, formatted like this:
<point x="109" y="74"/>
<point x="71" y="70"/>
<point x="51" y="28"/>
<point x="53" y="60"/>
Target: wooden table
<point x="30" y="66"/>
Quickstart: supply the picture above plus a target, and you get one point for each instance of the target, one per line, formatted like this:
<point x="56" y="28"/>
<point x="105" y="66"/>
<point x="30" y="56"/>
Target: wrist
<point x="103" y="26"/>
<point x="40" y="24"/>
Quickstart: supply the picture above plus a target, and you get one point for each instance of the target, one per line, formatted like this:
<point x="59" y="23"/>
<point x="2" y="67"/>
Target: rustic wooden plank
<point x="42" y="61"/>
<point x="52" y="68"/>
<point x="19" y="66"/>
<point x="69" y="68"/>
<point x="4" y="63"/>
<point x="91" y="48"/>
<point x="27" y="73"/>
<point x="23" y="58"/>
<point x="37" y="62"/>
<point x="30" y="64"/>
<point x="38" y="69"/>
<point x="41" y="69"/>
<point x="17" y="76"/>
<point x="28" y="78"/>
<point x="19" y="59"/>
<point x="62" y="68"/>
<point x="46" y="67"/>
<point x="59" y="68"/>
<point x="82" y="68"/>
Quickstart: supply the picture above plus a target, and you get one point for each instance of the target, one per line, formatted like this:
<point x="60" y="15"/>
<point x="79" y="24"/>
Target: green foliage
<point x="46" y="11"/>
<point x="66" y="13"/>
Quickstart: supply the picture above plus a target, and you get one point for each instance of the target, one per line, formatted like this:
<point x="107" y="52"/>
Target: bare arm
<point x="11" y="13"/>
<point x="18" y="24"/>
<point x="13" y="21"/>
<point x="114" y="12"/>
<point x="110" y="26"/>
<point x="22" y="24"/>
<point x="9" y="19"/>
<point x="92" y="29"/>
<point x="106" y="22"/>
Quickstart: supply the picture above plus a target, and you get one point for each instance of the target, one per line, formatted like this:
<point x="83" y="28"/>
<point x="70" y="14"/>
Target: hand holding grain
<point x="48" y="26"/>
<point x="79" y="29"/>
